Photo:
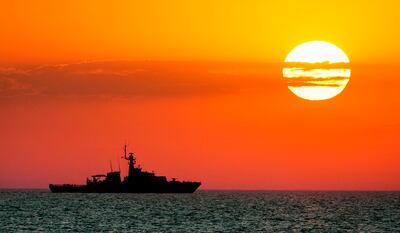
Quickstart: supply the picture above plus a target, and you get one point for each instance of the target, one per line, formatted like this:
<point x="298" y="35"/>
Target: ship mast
<point x="131" y="160"/>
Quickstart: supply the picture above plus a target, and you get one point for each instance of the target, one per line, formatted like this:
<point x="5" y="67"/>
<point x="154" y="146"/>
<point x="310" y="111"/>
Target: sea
<point x="203" y="211"/>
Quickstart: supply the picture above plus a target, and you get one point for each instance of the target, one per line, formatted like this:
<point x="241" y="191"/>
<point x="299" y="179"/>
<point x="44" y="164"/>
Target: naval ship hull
<point x="176" y="187"/>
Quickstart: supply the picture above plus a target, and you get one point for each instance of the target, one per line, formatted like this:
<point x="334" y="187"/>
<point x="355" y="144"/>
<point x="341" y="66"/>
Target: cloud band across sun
<point x="316" y="70"/>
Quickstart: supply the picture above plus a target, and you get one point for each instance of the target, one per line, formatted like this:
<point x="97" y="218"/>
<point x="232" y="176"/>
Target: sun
<point x="316" y="70"/>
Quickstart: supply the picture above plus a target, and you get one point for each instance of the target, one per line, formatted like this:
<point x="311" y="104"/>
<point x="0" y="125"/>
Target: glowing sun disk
<point x="319" y="82"/>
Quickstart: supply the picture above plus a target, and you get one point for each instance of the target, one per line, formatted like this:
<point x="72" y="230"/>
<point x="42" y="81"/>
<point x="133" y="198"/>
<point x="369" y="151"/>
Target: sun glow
<point x="316" y="70"/>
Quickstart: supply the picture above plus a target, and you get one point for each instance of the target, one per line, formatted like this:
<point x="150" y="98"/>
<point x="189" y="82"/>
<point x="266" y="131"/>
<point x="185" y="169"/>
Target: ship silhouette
<point x="137" y="181"/>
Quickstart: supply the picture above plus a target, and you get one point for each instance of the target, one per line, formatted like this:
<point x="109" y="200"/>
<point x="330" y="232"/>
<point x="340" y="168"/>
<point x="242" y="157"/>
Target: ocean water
<point x="203" y="211"/>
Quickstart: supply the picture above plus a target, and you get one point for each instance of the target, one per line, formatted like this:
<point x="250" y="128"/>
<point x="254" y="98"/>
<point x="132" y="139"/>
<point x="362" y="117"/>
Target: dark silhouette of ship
<point x="137" y="181"/>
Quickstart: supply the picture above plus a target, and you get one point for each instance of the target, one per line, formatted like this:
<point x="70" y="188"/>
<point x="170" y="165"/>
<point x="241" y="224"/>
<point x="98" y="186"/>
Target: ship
<point x="137" y="181"/>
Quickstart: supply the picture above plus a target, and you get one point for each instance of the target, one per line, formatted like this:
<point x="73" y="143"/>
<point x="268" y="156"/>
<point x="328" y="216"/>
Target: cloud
<point x="317" y="65"/>
<point x="11" y="86"/>
<point x="309" y="84"/>
<point x="127" y="79"/>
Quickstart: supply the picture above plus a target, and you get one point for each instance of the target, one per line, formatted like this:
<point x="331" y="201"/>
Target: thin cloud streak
<point x="127" y="79"/>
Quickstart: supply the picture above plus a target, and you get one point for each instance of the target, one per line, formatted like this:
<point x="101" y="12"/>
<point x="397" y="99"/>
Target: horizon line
<point x="250" y="190"/>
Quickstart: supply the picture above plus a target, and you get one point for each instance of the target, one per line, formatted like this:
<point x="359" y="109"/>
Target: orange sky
<point x="195" y="87"/>
<point x="51" y="31"/>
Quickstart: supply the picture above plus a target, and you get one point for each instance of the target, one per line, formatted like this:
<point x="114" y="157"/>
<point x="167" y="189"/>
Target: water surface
<point x="203" y="211"/>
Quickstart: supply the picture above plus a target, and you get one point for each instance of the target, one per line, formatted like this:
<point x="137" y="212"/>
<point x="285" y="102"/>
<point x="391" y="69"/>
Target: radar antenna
<point x="131" y="158"/>
<point x="125" y="152"/>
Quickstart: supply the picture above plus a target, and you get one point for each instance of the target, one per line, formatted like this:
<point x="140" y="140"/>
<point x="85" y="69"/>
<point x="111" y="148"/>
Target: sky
<point x="196" y="89"/>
